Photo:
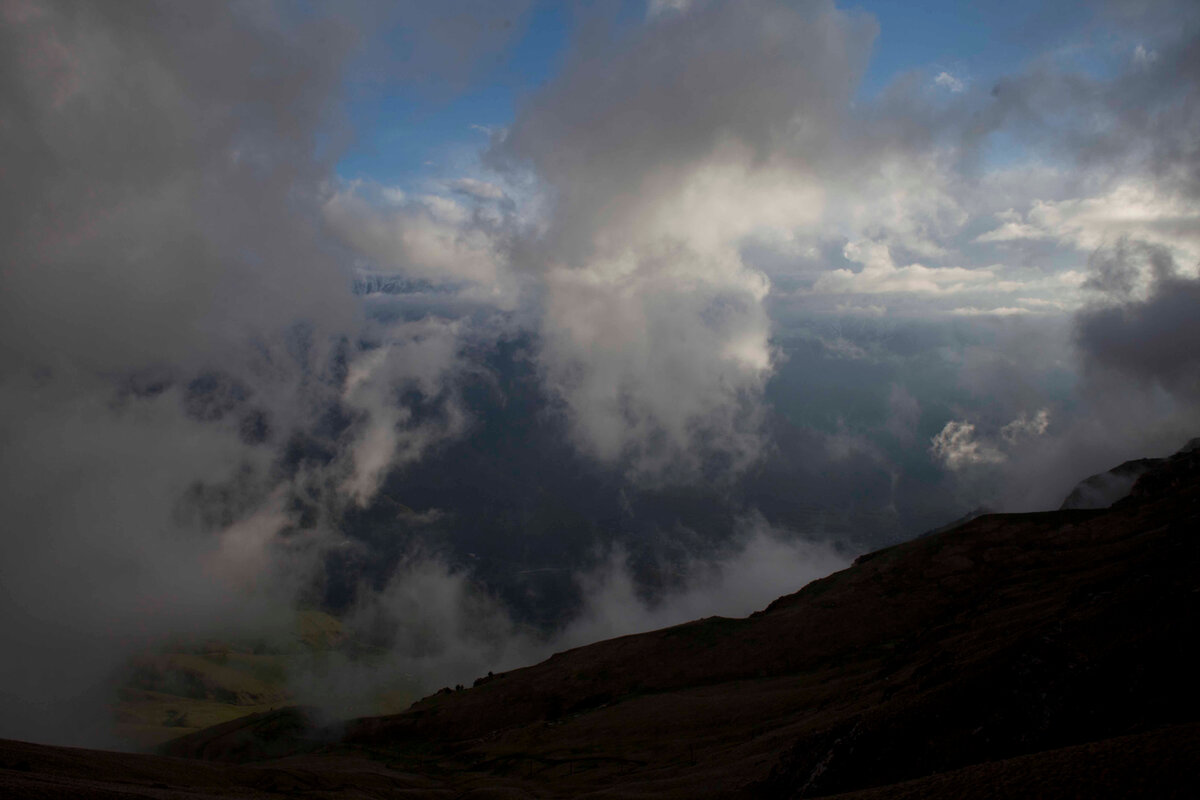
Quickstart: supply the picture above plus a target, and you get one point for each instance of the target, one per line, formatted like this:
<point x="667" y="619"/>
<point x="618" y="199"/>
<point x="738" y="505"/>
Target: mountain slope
<point x="1011" y="634"/>
<point x="1033" y="654"/>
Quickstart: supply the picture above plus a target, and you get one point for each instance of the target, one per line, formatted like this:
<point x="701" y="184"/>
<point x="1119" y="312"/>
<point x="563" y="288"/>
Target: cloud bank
<point x="701" y="273"/>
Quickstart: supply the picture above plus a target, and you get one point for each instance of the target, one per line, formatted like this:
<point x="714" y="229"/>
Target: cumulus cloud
<point x="426" y="237"/>
<point x="1026" y="426"/>
<point x="1013" y="229"/>
<point x="1136" y="209"/>
<point x="656" y="362"/>
<point x="658" y="148"/>
<point x="880" y="275"/>
<point x="949" y="82"/>
<point x="957" y="445"/>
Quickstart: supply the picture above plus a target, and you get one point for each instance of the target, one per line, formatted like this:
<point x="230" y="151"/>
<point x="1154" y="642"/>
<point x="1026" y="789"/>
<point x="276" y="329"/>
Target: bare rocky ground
<point x="1018" y="655"/>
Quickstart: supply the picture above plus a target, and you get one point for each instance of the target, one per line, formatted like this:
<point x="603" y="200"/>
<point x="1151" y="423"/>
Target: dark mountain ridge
<point x="1045" y="654"/>
<point x="1105" y="488"/>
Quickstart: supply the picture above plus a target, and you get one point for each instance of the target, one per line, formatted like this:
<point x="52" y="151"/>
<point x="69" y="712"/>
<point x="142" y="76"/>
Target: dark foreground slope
<point x="1016" y="655"/>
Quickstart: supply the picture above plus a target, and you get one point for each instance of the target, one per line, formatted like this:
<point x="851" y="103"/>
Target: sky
<point x="499" y="327"/>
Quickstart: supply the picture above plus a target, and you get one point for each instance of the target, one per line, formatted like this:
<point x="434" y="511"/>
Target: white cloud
<point x="861" y="310"/>
<point x="1144" y="57"/>
<point x="880" y="275"/>
<point x="1013" y="229"/>
<point x="1024" y="426"/>
<point x="948" y="82"/>
<point x="391" y="195"/>
<point x="651" y="351"/>
<point x="425" y="237"/>
<point x="480" y="190"/>
<point x="912" y="200"/>
<point x="956" y="447"/>
<point x="655" y="169"/>
<point x="1043" y="303"/>
<point x="841" y="347"/>
<point x="656" y="7"/>
<point x="1133" y="208"/>
<point x="998" y="311"/>
<point x="421" y="355"/>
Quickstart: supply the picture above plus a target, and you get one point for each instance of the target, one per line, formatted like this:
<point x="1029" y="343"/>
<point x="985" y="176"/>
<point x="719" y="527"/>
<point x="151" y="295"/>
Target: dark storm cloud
<point x="1142" y="119"/>
<point x="157" y="173"/>
<point x="1153" y="339"/>
<point x="1118" y="271"/>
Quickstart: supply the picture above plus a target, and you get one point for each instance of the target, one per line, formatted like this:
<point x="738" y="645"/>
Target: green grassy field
<point x="189" y="686"/>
